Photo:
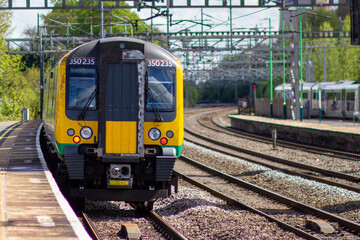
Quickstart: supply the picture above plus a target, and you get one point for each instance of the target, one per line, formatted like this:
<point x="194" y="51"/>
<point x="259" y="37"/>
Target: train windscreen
<point x="82" y="85"/>
<point x="160" y="89"/>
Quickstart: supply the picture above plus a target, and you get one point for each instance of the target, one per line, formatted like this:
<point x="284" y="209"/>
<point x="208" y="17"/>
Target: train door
<point x="121" y="118"/>
<point x="343" y="103"/>
<point x="350" y="103"/>
<point x="357" y="100"/>
<point x="314" y="98"/>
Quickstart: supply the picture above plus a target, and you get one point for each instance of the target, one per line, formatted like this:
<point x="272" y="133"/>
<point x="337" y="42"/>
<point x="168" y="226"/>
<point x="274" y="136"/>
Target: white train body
<point x="337" y="99"/>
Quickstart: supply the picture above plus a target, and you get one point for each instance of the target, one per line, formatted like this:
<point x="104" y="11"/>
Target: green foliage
<point x="191" y="95"/>
<point x="314" y="19"/>
<point x="30" y="60"/>
<point x="5" y="20"/>
<point x="17" y="89"/>
<point x="79" y="20"/>
<point x="222" y="94"/>
<point x="342" y="59"/>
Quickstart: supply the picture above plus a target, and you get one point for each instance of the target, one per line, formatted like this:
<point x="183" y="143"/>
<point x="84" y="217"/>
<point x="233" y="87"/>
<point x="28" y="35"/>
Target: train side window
<point x="350" y="101"/>
<point x="160" y="89"/>
<point x="82" y="83"/>
<point x="350" y="96"/>
<point x="330" y="96"/>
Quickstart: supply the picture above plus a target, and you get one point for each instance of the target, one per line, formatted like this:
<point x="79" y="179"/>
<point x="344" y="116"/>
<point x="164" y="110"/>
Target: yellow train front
<point x="113" y="112"/>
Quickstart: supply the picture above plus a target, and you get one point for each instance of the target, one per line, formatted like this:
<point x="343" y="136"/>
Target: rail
<point x="293" y="203"/>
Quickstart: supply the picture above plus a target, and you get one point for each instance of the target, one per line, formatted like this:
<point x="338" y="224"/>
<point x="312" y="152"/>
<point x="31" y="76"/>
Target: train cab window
<point x="160" y="89"/>
<point x="82" y="84"/>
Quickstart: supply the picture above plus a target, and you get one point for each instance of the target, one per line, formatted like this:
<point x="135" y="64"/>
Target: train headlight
<point x="154" y="134"/>
<point x="86" y="132"/>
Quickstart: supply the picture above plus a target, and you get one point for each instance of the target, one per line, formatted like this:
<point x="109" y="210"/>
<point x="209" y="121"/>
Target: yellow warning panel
<point x="121" y="137"/>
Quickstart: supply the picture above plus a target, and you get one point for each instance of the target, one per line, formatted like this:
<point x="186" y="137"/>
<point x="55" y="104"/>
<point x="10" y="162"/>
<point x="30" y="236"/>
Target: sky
<point x="23" y="19"/>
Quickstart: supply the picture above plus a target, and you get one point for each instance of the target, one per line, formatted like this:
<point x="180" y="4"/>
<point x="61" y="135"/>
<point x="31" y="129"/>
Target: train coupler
<point x="119" y="176"/>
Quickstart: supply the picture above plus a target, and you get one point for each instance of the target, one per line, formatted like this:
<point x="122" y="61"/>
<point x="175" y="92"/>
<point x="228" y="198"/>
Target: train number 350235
<point x="159" y="63"/>
<point x="82" y="61"/>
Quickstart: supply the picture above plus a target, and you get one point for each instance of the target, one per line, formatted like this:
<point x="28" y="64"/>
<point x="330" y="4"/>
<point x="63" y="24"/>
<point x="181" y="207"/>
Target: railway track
<point x="159" y="223"/>
<point x="165" y="227"/>
<point x="90" y="226"/>
<point x="333" y="178"/>
<point x="210" y="123"/>
<point x="350" y="226"/>
<point x="295" y="168"/>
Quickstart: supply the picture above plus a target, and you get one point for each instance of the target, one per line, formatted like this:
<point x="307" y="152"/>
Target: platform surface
<point x="337" y="134"/>
<point x="338" y="125"/>
<point x="4" y="125"/>
<point x="31" y="207"/>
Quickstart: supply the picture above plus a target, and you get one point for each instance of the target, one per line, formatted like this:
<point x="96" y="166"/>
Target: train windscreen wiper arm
<point x="158" y="117"/>
<point x="87" y="105"/>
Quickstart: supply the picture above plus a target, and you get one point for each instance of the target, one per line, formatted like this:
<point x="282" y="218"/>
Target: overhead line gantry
<point x="138" y="4"/>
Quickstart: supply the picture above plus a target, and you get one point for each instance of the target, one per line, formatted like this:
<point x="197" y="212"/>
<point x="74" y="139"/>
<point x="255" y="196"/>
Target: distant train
<point x="338" y="99"/>
<point x="113" y="114"/>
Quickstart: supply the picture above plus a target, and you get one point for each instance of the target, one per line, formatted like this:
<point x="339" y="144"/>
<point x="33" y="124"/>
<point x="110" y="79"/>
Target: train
<point x="113" y="119"/>
<point x="336" y="99"/>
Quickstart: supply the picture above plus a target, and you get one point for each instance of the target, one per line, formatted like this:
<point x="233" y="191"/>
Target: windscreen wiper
<point x="87" y="105"/>
<point x="158" y="117"/>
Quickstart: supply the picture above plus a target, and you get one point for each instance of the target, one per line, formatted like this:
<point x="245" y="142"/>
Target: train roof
<point x="150" y="50"/>
<point x="287" y="86"/>
<point x="343" y="84"/>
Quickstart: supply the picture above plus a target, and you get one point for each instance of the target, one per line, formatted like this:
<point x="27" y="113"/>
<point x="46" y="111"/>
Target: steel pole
<point x="283" y="62"/>
<point x="168" y="23"/>
<point x="271" y="71"/>
<point x="41" y="65"/>
<point x="102" y="19"/>
<point x="301" y="68"/>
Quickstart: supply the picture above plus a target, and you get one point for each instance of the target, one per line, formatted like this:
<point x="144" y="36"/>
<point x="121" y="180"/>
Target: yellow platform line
<point x="10" y="128"/>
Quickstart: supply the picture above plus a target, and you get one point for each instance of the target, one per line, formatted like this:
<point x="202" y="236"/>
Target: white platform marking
<point x="35" y="180"/>
<point x="45" y="221"/>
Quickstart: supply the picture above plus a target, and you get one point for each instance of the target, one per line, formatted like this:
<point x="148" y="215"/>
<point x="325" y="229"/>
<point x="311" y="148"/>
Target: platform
<point x="339" y="134"/>
<point x="31" y="205"/>
<point x="4" y="125"/>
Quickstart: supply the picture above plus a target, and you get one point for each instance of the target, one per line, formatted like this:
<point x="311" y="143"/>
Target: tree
<point x="316" y="18"/>
<point x="5" y="20"/>
<point x="342" y="59"/>
<point x="190" y="95"/>
<point x="77" y="21"/>
<point x="17" y="89"/>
